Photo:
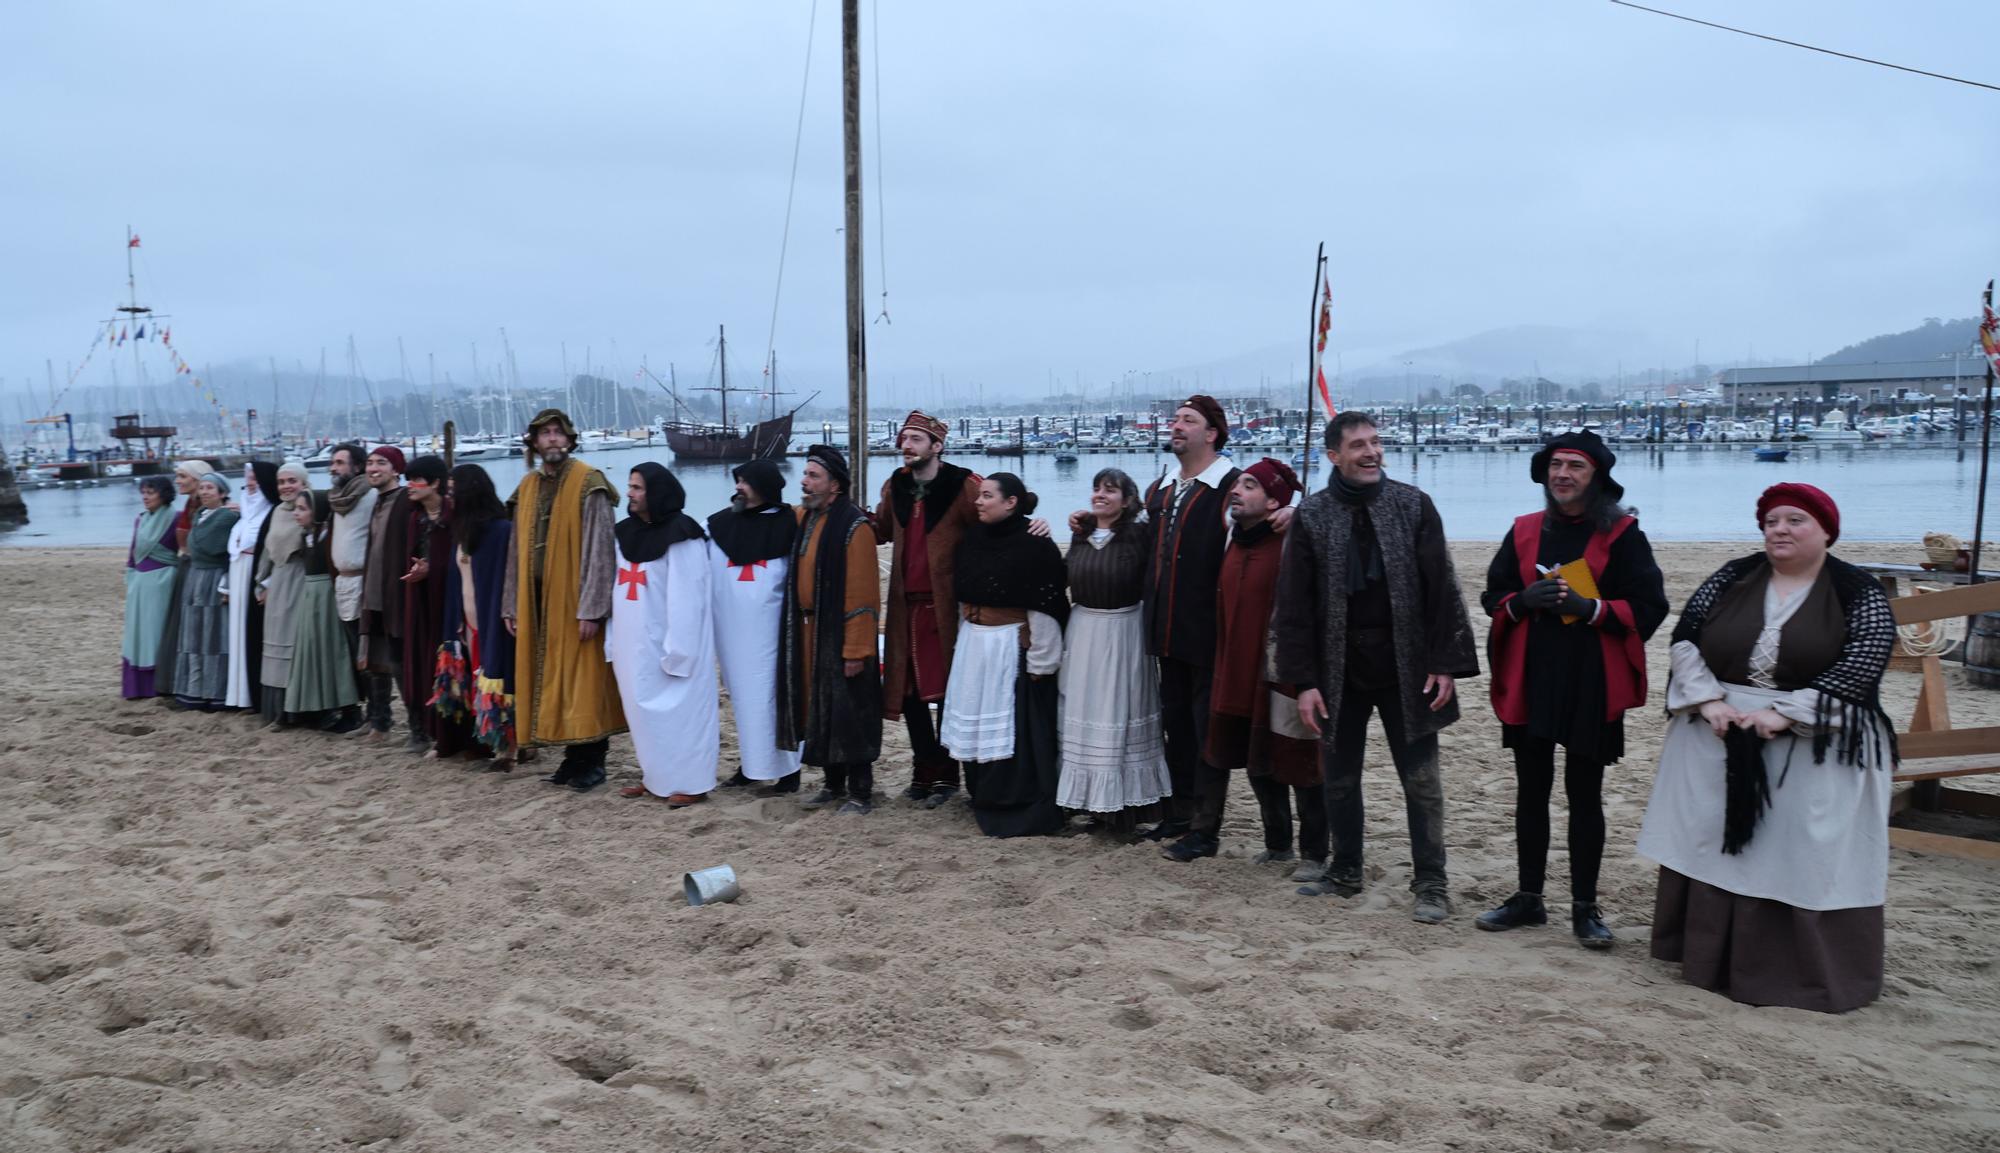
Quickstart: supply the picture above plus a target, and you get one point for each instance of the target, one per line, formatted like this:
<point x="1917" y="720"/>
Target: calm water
<point x="1884" y="494"/>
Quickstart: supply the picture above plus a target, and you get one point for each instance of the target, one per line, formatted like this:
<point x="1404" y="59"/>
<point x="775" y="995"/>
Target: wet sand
<point x="222" y="939"/>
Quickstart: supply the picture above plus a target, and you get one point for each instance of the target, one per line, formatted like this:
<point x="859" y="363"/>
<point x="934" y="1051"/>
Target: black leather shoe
<point x="789" y="783"/>
<point x="739" y="781"/>
<point x="1588" y="925"/>
<point x="1192" y="847"/>
<point x="822" y="799"/>
<point x="916" y="792"/>
<point x="1167" y="830"/>
<point x="1519" y="909"/>
<point x="585" y="779"/>
<point x="562" y="776"/>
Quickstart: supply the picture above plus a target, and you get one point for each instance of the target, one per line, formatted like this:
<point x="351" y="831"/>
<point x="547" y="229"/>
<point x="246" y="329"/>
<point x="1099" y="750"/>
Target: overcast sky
<point x="1071" y="189"/>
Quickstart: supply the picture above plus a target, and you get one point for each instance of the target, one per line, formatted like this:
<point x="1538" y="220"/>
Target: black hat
<point x="1588" y="444"/>
<point x="763" y="478"/>
<point x="830" y="459"/>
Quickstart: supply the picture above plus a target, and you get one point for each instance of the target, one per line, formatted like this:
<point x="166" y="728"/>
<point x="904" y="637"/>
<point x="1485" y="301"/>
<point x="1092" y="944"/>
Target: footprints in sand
<point x="391" y="1067"/>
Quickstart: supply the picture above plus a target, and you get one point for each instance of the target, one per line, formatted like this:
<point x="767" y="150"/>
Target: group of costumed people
<point x="1221" y="620"/>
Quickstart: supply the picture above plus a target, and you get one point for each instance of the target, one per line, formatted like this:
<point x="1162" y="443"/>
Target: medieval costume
<point x="831" y="604"/>
<point x="382" y="604"/>
<point x="561" y="573"/>
<point x="428" y="542"/>
<point x="1774" y="854"/>
<point x="321" y="677"/>
<point x="475" y="658"/>
<point x="1368" y="609"/>
<point x="923" y="522"/>
<point x="1113" y="760"/>
<point x="751" y="558"/>
<point x="167" y="660"/>
<point x="281" y="574"/>
<point x="246" y="614"/>
<point x="201" y="672"/>
<point x="1254" y="723"/>
<point x="149" y="588"/>
<point x="1569" y="679"/>
<point x="661" y="643"/>
<point x="1188" y="521"/>
<point x="1000" y="707"/>
<point x="353" y="501"/>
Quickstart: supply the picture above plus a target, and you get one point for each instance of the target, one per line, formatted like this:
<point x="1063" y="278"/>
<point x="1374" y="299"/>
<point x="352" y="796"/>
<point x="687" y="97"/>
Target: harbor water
<point x="1681" y="493"/>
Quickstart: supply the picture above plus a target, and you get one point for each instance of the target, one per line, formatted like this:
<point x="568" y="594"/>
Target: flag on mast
<point x="1319" y="358"/>
<point x="1989" y="330"/>
<point x="133" y="242"/>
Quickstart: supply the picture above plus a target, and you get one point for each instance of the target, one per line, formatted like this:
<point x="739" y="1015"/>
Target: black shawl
<point x="1005" y="566"/>
<point x="644" y="539"/>
<point x="1850" y="689"/>
<point x="762" y="533"/>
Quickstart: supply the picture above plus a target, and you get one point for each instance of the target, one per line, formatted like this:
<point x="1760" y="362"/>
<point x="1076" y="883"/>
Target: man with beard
<point x="1568" y="663"/>
<point x="560" y="579"/>
<point x="1254" y="723"/>
<point x="353" y="501"/>
<point x="752" y="555"/>
<point x="925" y="510"/>
<point x="1370" y="619"/>
<point x="829" y="681"/>
<point x="1188" y="514"/>
<point x="382" y="597"/>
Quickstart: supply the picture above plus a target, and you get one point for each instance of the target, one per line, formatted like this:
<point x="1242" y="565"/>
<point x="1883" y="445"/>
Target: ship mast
<point x="857" y="330"/>
<point x="133" y="312"/>
<point x="722" y="358"/>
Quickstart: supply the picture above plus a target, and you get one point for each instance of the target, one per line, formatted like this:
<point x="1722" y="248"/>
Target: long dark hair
<point x="473" y="503"/>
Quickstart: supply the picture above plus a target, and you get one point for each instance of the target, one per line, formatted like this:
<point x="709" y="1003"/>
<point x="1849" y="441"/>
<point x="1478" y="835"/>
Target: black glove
<point x="1575" y="606"/>
<point x="1542" y="596"/>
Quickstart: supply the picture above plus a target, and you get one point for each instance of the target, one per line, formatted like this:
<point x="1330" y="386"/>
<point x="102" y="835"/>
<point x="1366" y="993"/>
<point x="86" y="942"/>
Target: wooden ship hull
<point x="766" y="440"/>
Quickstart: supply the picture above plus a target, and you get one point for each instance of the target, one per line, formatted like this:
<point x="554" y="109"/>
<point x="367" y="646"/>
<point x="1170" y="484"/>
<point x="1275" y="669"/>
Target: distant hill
<point x="1928" y="341"/>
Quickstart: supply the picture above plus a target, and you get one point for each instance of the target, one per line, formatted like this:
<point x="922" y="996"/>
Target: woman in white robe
<point x="661" y="643"/>
<point x="246" y="640"/>
<point x="750" y="548"/>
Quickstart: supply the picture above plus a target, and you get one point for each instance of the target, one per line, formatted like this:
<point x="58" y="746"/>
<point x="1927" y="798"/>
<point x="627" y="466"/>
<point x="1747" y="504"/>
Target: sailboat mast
<point x="132" y="291"/>
<point x="722" y="358"/>
<point x="857" y="345"/>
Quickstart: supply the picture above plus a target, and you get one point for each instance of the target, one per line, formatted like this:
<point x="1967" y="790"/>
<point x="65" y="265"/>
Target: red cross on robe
<point x="746" y="571"/>
<point x="634" y="576"/>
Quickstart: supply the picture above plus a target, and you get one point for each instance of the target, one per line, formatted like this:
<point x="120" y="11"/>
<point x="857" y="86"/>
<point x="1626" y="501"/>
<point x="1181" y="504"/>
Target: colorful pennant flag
<point x="1319" y="368"/>
<point x="133" y="242"/>
<point x="1989" y="330"/>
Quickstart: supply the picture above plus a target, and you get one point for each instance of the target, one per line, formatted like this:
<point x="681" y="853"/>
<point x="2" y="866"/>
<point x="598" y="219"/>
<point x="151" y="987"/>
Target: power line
<point x="1808" y="47"/>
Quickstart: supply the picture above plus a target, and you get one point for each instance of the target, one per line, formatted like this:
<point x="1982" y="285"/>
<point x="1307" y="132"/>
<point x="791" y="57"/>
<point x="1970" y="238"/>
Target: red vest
<point x="1624" y="654"/>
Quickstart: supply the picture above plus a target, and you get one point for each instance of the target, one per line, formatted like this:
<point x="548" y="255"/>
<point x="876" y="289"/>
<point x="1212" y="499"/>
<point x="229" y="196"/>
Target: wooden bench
<point x="1932" y="750"/>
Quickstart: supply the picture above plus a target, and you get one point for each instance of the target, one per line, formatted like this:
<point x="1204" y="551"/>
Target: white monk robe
<point x="241" y="587"/>
<point x="748" y="602"/>
<point x="662" y="649"/>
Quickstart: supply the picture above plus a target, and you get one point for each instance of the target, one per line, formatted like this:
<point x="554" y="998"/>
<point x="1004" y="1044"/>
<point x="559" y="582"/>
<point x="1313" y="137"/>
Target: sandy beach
<point x="223" y="939"/>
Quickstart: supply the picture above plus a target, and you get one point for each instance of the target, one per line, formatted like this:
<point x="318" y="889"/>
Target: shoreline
<point x="228" y="939"/>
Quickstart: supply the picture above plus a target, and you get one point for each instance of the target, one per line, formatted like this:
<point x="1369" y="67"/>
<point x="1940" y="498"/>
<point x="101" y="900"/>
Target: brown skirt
<point x="1763" y="952"/>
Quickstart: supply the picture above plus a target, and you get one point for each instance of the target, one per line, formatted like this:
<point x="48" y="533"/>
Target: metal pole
<point x="857" y="330"/>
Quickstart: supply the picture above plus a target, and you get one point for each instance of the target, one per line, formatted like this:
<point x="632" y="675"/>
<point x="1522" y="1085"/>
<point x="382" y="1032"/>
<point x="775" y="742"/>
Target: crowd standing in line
<point x="1223" y="620"/>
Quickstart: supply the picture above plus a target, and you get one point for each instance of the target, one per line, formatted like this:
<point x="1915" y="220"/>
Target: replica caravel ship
<point x="768" y="439"/>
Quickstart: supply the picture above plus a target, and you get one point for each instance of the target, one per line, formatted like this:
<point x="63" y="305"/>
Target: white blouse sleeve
<point x="1800" y="707"/>
<point x="1692" y="684"/>
<point x="1044" y="644"/>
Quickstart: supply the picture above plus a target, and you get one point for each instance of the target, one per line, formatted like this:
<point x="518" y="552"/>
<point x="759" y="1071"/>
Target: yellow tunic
<point x="564" y="693"/>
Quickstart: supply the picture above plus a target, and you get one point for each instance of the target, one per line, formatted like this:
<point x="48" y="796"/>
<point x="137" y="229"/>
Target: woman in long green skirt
<point x="321" y="679"/>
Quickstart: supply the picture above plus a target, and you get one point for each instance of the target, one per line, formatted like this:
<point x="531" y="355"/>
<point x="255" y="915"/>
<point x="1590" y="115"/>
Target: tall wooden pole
<point x="857" y="328"/>
<point x="1312" y="365"/>
<point x="1985" y="455"/>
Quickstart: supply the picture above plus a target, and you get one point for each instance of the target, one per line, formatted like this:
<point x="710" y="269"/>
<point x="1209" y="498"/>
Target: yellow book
<point x="1577" y="574"/>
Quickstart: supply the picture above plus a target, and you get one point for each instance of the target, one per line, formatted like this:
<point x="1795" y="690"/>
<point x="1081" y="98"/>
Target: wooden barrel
<point x="1982" y="651"/>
